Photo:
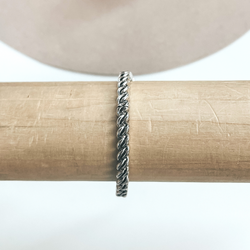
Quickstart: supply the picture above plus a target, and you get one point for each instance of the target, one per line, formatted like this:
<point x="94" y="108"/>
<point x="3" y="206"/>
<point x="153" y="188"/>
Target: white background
<point x="88" y="215"/>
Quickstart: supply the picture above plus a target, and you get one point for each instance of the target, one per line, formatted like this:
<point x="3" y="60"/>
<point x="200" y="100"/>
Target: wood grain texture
<point x="179" y="131"/>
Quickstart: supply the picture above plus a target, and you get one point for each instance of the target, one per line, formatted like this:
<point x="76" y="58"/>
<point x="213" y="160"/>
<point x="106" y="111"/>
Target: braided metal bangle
<point x="123" y="133"/>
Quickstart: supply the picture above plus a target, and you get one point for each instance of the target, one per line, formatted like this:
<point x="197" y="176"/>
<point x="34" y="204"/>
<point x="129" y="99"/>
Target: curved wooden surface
<point x="179" y="131"/>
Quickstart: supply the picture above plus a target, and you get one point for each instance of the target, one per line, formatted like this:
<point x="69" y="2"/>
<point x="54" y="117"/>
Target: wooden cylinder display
<point x="179" y="131"/>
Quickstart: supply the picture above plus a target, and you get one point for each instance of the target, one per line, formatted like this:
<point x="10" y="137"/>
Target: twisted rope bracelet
<point x="123" y="133"/>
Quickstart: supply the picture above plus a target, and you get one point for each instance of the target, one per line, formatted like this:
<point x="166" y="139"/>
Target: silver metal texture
<point x="124" y="78"/>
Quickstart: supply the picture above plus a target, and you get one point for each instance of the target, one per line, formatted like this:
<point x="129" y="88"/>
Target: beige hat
<point x="107" y="36"/>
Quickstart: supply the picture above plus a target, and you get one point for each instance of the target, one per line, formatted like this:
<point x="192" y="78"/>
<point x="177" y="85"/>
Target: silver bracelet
<point x="122" y="181"/>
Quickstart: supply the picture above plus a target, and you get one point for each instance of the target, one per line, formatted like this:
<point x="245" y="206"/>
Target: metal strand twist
<point x="123" y="133"/>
